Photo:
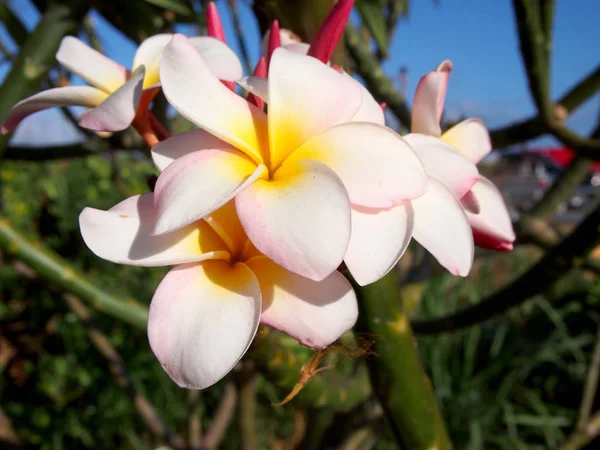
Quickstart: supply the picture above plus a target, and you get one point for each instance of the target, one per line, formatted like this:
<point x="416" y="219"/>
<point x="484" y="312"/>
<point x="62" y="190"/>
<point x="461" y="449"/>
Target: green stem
<point x="591" y="385"/>
<point x="59" y="272"/>
<point x="36" y="57"/>
<point x="367" y="66"/>
<point x="552" y="267"/>
<point x="397" y="374"/>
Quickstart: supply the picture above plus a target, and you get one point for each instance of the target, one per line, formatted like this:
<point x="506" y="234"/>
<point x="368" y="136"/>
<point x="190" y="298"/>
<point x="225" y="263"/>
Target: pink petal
<point x="440" y="225"/>
<point x="492" y="226"/>
<point x="92" y="66"/>
<point x="470" y="203"/>
<point x="167" y="151"/>
<point x="378" y="168"/>
<point x="444" y="163"/>
<point x="300" y="219"/>
<point x="379" y="239"/>
<point x="198" y="183"/>
<point x="202" y="320"/>
<point x="198" y="95"/>
<point x="428" y="104"/>
<point x="222" y="62"/>
<point x="471" y="138"/>
<point x="63" y="96"/>
<point x="123" y="235"/>
<point x="119" y="109"/>
<point x="315" y="313"/>
<point x="305" y="98"/>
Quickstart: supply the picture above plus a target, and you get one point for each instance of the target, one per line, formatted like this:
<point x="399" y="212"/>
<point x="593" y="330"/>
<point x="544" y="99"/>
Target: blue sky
<point x="477" y="35"/>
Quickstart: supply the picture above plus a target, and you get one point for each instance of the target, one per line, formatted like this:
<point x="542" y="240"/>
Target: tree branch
<point x="591" y="385"/>
<point x="583" y="436"/>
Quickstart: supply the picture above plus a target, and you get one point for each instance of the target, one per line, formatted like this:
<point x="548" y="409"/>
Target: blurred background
<point x="517" y="366"/>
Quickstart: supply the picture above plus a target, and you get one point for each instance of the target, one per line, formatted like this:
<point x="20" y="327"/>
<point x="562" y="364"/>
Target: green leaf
<point x="179" y="6"/>
<point x="373" y="18"/>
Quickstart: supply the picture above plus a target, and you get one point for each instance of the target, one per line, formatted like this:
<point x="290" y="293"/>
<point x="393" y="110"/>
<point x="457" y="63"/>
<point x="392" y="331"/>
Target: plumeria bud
<point x="331" y="30"/>
<point x="260" y="71"/>
<point x="274" y="40"/>
<point x="383" y="105"/>
<point x="214" y="27"/>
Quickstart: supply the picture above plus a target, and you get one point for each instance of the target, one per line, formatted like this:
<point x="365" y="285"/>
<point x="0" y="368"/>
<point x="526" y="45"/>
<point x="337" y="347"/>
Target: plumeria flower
<point x="287" y="39"/>
<point x="115" y="94"/>
<point x="483" y="203"/>
<point x="293" y="173"/>
<point x="205" y="312"/>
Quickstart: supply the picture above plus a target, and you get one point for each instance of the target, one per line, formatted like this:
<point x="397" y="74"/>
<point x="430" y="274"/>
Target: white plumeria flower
<point x="483" y="203"/>
<point x="205" y="312"/>
<point x="114" y="93"/>
<point x="294" y="174"/>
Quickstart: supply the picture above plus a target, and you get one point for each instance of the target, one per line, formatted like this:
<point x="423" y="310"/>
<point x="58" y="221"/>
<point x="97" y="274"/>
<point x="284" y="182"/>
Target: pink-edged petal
<point x="470" y="202"/>
<point x="305" y="98"/>
<point x="202" y="320"/>
<point x="379" y="238"/>
<point x="63" y="96"/>
<point x="198" y="183"/>
<point x="315" y="313"/>
<point x="119" y="109"/>
<point x="300" y="219"/>
<point x="123" y="235"/>
<point x="220" y="59"/>
<point x="286" y="37"/>
<point x="440" y="225"/>
<point x="378" y="168"/>
<point x="200" y="97"/>
<point x="444" y="163"/>
<point x="149" y="49"/>
<point x="257" y="86"/>
<point x="471" y="138"/>
<point x="167" y="151"/>
<point x="370" y="110"/>
<point x="428" y="104"/>
<point x="91" y="65"/>
<point x="492" y="227"/>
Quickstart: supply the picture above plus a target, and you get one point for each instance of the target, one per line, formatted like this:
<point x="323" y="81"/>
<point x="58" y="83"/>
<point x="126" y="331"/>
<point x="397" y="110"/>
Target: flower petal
<point x="428" y="104"/>
<point x="492" y="226"/>
<point x="202" y="320"/>
<point x="167" y="151"/>
<point x="440" y="225"/>
<point x="198" y="183"/>
<point x="471" y="138"/>
<point x="444" y="163"/>
<point x="305" y="98"/>
<point x="297" y="47"/>
<point x="123" y="235"/>
<point x="92" y="66"/>
<point x="378" y="168"/>
<point x="300" y="219"/>
<point x="470" y="203"/>
<point x="63" y="96"/>
<point x="379" y="238"/>
<point x="315" y="313"/>
<point x="200" y="97"/>
<point x="119" y="109"/>
<point x="370" y="110"/>
<point x="220" y="59"/>
<point x="286" y="37"/>
<point x="256" y="85"/>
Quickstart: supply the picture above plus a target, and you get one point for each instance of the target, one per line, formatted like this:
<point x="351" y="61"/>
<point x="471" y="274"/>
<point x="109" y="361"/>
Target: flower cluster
<point x="258" y="211"/>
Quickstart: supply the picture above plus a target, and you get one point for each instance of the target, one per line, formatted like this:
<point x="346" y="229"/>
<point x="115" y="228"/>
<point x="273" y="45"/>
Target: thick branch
<point x="557" y="261"/>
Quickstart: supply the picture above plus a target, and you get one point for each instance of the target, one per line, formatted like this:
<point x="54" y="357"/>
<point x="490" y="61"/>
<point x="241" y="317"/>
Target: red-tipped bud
<point x="259" y="71"/>
<point x="274" y="41"/>
<point x="336" y="67"/>
<point x="331" y="31"/>
<point x="214" y="27"/>
<point x="383" y="105"/>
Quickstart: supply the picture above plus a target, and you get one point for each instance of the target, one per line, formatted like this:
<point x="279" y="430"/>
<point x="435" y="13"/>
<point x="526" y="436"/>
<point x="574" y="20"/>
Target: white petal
<point x="428" y="103"/>
<point x="200" y="97"/>
<point x="287" y="37"/>
<point x="370" y="110"/>
<point x="444" y="163"/>
<point x="150" y="49"/>
<point x="300" y="219"/>
<point x="440" y="225"/>
<point x="315" y="313"/>
<point x="167" y="151"/>
<point x="202" y="320"/>
<point x="377" y="166"/>
<point x="378" y="241"/>
<point x="471" y="138"/>
<point x="220" y="59"/>
<point x="305" y="98"/>
<point x="256" y="85"/>
<point x="200" y="182"/>
<point x="63" y="96"/>
<point x="92" y="66"/>
<point x="118" y="111"/>
<point x="123" y="235"/>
